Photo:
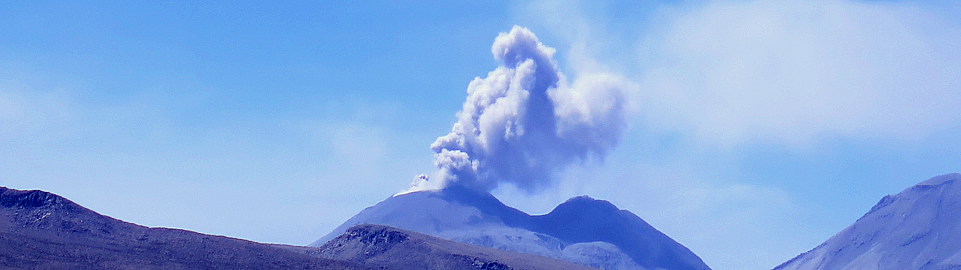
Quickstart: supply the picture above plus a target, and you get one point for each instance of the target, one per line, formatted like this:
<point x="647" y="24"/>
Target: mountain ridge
<point x="582" y="229"/>
<point x="914" y="229"/>
<point x="42" y="230"/>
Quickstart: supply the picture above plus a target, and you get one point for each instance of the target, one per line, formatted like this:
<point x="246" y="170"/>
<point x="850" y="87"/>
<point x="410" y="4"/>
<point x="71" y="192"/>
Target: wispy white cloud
<point x="796" y="72"/>
<point x="24" y="112"/>
<point x="729" y="73"/>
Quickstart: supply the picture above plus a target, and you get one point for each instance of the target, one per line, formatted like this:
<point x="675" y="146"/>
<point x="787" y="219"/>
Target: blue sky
<point x="757" y="129"/>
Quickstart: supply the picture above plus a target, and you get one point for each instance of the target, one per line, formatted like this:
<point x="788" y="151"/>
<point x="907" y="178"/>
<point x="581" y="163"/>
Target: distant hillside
<point x="917" y="229"/>
<point x="40" y="230"/>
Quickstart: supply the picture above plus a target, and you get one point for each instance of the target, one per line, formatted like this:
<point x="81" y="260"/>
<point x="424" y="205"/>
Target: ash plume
<point x="525" y="122"/>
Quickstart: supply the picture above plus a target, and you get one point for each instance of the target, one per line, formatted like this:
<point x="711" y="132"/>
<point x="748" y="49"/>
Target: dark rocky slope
<point x="40" y="230"/>
<point x="383" y="246"/>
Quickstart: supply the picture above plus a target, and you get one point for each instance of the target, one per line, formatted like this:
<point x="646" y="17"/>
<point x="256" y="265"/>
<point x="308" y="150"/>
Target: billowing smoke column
<point x="524" y="122"/>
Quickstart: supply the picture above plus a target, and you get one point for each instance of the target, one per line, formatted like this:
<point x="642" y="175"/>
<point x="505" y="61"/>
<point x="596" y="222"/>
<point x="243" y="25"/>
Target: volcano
<point x="583" y="230"/>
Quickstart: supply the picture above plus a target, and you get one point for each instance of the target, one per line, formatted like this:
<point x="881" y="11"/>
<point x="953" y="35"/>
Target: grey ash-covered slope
<point x="582" y="230"/>
<point x="40" y="230"/>
<point x="388" y="247"/>
<point x="919" y="228"/>
<point x="583" y="219"/>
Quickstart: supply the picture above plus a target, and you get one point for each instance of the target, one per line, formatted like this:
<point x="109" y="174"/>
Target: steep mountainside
<point x="40" y="230"/>
<point x="582" y="219"/>
<point x="919" y="228"/>
<point x="582" y="230"/>
<point x="383" y="246"/>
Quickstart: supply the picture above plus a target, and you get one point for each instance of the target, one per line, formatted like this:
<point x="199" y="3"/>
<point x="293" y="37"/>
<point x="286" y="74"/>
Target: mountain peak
<point x="941" y="180"/>
<point x="580" y="199"/>
<point x="585" y="203"/>
<point x="914" y="229"/>
<point x="13" y="198"/>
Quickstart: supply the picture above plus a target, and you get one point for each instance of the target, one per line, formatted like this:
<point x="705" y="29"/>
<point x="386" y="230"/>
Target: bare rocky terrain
<point x="389" y="247"/>
<point x="41" y="230"/>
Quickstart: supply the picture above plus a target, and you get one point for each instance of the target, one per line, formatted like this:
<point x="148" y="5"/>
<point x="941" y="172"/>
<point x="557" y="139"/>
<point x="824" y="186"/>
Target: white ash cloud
<point x="525" y="122"/>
